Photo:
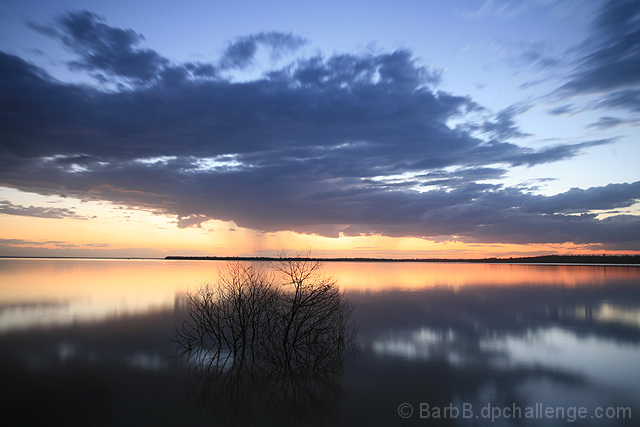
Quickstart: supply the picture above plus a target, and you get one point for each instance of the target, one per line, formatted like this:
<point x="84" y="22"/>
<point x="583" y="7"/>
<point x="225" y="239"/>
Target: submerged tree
<point x="227" y="320"/>
<point x="286" y="330"/>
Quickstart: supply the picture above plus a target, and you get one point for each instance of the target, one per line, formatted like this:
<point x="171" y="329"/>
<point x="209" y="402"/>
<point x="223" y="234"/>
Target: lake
<point x="87" y="342"/>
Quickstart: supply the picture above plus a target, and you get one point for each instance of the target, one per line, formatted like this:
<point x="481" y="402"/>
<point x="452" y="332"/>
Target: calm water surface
<point x="86" y="342"/>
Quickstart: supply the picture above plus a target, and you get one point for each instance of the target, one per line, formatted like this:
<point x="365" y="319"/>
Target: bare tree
<point x="293" y="319"/>
<point x="278" y="338"/>
<point x="314" y="329"/>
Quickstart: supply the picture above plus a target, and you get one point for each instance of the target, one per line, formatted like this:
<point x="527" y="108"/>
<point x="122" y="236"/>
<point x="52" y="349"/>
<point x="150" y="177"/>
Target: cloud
<point x="55" y="243"/>
<point x="397" y="69"/>
<point x="102" y="48"/>
<point x="347" y="143"/>
<point x="9" y="208"/>
<point x="497" y="9"/>
<point x="624" y="99"/>
<point x="578" y="200"/>
<point x="604" y="67"/>
<point x="26" y="248"/>
<point x="563" y="109"/>
<point x="611" y="122"/>
<point x="12" y="242"/>
<point x="610" y="59"/>
<point x="538" y="54"/>
<point x="242" y="51"/>
<point x="112" y="54"/>
<point x="541" y="56"/>
<point x="191" y="221"/>
<point x="628" y="99"/>
<point x="504" y="125"/>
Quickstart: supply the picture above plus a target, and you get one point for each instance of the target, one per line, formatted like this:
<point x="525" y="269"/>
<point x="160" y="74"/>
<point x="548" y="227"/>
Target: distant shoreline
<point x="73" y="257"/>
<point x="544" y="259"/>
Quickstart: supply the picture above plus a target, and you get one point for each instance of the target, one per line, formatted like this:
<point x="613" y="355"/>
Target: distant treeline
<point x="545" y="259"/>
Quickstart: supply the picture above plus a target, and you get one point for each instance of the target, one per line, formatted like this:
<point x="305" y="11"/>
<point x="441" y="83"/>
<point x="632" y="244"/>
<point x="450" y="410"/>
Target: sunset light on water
<point x="428" y="333"/>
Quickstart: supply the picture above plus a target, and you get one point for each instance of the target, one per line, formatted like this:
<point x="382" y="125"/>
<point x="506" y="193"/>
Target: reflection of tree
<point x="269" y="343"/>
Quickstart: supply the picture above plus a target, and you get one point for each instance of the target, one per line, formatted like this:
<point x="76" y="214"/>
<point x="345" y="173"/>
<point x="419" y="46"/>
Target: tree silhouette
<point x="271" y="339"/>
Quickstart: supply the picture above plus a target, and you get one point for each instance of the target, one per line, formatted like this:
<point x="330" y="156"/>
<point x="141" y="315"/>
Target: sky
<point x="457" y="129"/>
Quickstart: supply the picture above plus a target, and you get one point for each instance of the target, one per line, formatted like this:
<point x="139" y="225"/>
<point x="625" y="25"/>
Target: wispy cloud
<point x="610" y="58"/>
<point x="608" y="122"/>
<point x="241" y="52"/>
<point x="9" y="208"/>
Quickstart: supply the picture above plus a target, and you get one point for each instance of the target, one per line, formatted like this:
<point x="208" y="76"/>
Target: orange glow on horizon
<point x="111" y="231"/>
<point x="380" y="276"/>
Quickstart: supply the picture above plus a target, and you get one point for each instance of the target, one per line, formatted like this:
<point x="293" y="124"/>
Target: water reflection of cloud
<point x="554" y="344"/>
<point x="147" y="361"/>
<point x="67" y="351"/>
<point x="424" y="344"/>
<point x="51" y="314"/>
<point x="27" y="315"/>
<point x="602" y="361"/>
<point x="609" y="312"/>
<point x="554" y="348"/>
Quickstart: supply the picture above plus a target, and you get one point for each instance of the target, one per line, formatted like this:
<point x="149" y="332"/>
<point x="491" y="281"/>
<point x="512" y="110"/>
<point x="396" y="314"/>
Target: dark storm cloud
<point x="350" y="143"/>
<point x="611" y="57"/>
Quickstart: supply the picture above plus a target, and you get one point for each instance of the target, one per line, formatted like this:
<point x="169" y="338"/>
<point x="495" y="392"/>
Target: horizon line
<point x="536" y="259"/>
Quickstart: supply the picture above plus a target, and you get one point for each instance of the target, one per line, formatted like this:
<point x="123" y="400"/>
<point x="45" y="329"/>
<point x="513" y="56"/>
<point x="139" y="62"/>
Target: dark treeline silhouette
<point x="544" y="259"/>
